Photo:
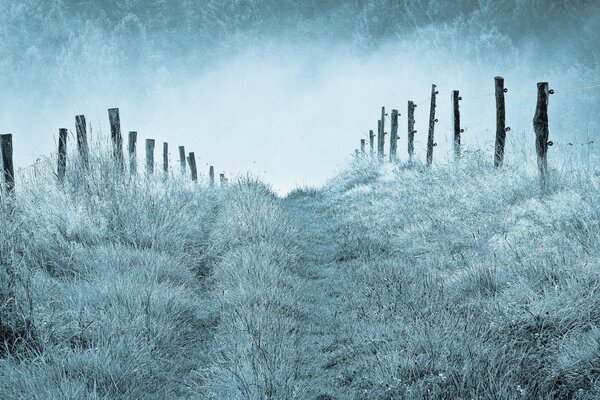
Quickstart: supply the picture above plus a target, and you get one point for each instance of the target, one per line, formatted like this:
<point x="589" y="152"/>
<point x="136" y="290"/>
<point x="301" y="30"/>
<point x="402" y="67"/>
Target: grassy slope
<point x="386" y="283"/>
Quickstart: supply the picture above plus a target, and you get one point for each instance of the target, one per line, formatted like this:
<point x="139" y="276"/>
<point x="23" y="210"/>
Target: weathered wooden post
<point x="371" y="143"/>
<point x="394" y="136"/>
<point x="222" y="179"/>
<point x="500" y="121"/>
<point x="380" y="140"/>
<point x="411" y="130"/>
<point x="166" y="158"/>
<point x="6" y="151"/>
<point x="211" y="175"/>
<point x="62" y="154"/>
<point x="192" y="162"/>
<point x="381" y="143"/>
<point x="540" y="126"/>
<point x="456" y="123"/>
<point x="115" y="134"/>
<point x="182" y="160"/>
<point x="150" y="156"/>
<point x="362" y="146"/>
<point x="432" y="121"/>
<point x="131" y="149"/>
<point x="82" y="144"/>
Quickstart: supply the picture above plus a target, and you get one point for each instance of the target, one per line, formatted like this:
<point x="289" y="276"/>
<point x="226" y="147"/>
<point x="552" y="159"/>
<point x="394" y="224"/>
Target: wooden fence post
<point x="150" y="156"/>
<point x="6" y="153"/>
<point x="362" y="146"/>
<point x="540" y="126"/>
<point x="131" y="149"/>
<point x="380" y="140"/>
<point x="192" y="162"/>
<point x="166" y="158"/>
<point x="456" y="123"/>
<point x="394" y="136"/>
<point x="182" y="160"/>
<point x="115" y="134"/>
<point x="82" y="144"/>
<point x="432" y="121"/>
<point x="62" y="154"/>
<point x="371" y="143"/>
<point x="222" y="179"/>
<point x="500" y="122"/>
<point x="211" y="175"/>
<point x="411" y="130"/>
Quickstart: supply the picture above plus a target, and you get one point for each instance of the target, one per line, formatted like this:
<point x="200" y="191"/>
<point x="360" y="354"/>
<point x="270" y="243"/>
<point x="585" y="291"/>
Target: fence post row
<point x="500" y="121"/>
<point x="432" y="121"/>
<point x="6" y="155"/>
<point x="211" y="175"/>
<point x="82" y="144"/>
<point x="149" y="156"/>
<point x="371" y="143"/>
<point x="411" y="130"/>
<point x="394" y="136"/>
<point x="115" y="134"/>
<point x="166" y="158"/>
<point x="62" y="154"/>
<point x="131" y="149"/>
<point x="540" y="126"/>
<point x="456" y="123"/>
<point x="192" y="162"/>
<point x="182" y="160"/>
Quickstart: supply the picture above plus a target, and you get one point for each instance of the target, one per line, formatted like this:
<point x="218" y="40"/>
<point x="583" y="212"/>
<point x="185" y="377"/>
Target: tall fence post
<point x="394" y="136"/>
<point x="192" y="162"/>
<point x="211" y="175"/>
<point x="456" y="123"/>
<point x="182" y="160"/>
<point x="380" y="140"/>
<point x="540" y="126"/>
<point x="362" y="146"/>
<point x="150" y="156"/>
<point x="432" y="121"/>
<point x="131" y="149"/>
<point x="500" y="122"/>
<point x="411" y="130"/>
<point x="6" y="153"/>
<point x="115" y="134"/>
<point x="371" y="143"/>
<point x="62" y="154"/>
<point x="166" y="158"/>
<point x="82" y="144"/>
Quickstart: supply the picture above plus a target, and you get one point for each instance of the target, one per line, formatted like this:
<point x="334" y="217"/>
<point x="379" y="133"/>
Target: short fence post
<point x="166" y="158"/>
<point x="82" y="144"/>
<point x="115" y="134"/>
<point x="6" y="151"/>
<point x="456" y="124"/>
<point x="371" y="143"/>
<point x="411" y="130"/>
<point x="211" y="175"/>
<point x="192" y="162"/>
<point x="62" y="154"/>
<point x="500" y="122"/>
<point x="432" y="121"/>
<point x="362" y="146"/>
<point x="394" y="136"/>
<point x="149" y="156"/>
<point x="540" y="126"/>
<point x="380" y="141"/>
<point x="182" y="160"/>
<point x="222" y="179"/>
<point x="131" y="149"/>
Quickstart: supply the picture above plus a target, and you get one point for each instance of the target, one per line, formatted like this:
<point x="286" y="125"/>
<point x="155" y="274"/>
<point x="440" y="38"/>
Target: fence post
<point x="192" y="162"/>
<point x="394" y="136"/>
<point x="222" y="180"/>
<point x="115" y="134"/>
<point x="211" y="175"/>
<point x="432" y="121"/>
<point x="411" y="130"/>
<point x="82" y="144"/>
<point x="456" y="123"/>
<point x="540" y="126"/>
<point x="6" y="153"/>
<point x="362" y="146"/>
<point x="131" y="149"/>
<point x="150" y="156"/>
<point x="62" y="154"/>
<point x="380" y="140"/>
<point x="500" y="121"/>
<point x="166" y="158"/>
<point x="182" y="160"/>
<point x="371" y="143"/>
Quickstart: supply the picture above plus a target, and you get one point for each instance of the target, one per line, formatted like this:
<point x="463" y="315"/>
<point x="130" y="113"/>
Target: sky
<point x="286" y="90"/>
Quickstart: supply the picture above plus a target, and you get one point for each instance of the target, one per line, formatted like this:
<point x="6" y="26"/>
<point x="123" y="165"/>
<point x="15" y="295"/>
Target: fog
<point x="286" y="92"/>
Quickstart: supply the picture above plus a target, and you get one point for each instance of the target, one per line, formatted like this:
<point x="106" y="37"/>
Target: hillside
<point x="391" y="281"/>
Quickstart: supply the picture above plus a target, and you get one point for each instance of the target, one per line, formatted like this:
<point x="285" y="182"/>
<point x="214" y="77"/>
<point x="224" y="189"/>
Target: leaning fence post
<point x="432" y="121"/>
<point x="371" y="143"/>
<point x="211" y="175"/>
<point x="166" y="158"/>
<point x="82" y="144"/>
<point x="540" y="126"/>
<point x="115" y="134"/>
<point x="362" y="146"/>
<point x="500" y="122"/>
<point x="149" y="156"/>
<point x="411" y="130"/>
<point x="131" y="149"/>
<point x="456" y="123"/>
<point x="192" y="162"/>
<point x="394" y="136"/>
<point x="6" y="153"/>
<point x="182" y="160"/>
<point x="62" y="154"/>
